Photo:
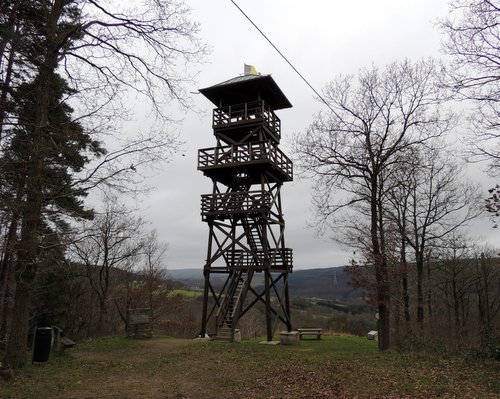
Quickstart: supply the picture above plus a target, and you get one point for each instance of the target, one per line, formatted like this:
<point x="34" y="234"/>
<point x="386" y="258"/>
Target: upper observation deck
<point x="251" y="121"/>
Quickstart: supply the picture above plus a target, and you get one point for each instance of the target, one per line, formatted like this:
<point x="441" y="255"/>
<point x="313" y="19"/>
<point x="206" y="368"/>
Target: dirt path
<point x="156" y="370"/>
<point x="156" y="346"/>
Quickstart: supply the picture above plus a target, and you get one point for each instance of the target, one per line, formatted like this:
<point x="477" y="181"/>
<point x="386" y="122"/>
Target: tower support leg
<point x="205" y="305"/>
<point x="287" y="305"/>
<point x="268" y="306"/>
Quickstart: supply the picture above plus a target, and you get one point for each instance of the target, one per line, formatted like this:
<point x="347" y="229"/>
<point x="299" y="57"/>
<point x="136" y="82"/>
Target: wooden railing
<point x="235" y="202"/>
<point x="247" y="112"/>
<point x="280" y="258"/>
<point x="246" y="153"/>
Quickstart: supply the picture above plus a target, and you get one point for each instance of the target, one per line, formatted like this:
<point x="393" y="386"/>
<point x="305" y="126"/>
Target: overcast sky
<point x="322" y="39"/>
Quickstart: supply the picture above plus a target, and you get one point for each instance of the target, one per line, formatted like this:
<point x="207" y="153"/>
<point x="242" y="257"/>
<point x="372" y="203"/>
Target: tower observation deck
<point x="246" y="241"/>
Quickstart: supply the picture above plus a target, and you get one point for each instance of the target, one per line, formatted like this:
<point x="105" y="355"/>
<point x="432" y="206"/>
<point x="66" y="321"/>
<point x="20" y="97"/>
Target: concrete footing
<point x="269" y="342"/>
<point x="289" y="338"/>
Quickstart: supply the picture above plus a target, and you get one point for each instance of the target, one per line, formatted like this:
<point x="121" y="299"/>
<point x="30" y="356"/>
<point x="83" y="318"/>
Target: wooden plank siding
<point x="253" y="113"/>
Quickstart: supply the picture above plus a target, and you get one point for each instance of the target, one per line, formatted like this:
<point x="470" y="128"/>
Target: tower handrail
<point x="250" y="111"/>
<point x="280" y="258"/>
<point x="238" y="154"/>
<point x="236" y="202"/>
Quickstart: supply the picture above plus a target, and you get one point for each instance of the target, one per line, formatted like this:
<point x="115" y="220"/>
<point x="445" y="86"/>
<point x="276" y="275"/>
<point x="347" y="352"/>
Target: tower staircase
<point x="235" y="292"/>
<point x="232" y="303"/>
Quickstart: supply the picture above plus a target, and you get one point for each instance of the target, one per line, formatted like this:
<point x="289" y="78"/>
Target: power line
<point x="283" y="56"/>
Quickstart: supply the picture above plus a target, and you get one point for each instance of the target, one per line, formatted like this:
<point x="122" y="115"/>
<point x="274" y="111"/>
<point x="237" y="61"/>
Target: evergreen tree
<point x="63" y="153"/>
<point x="99" y="47"/>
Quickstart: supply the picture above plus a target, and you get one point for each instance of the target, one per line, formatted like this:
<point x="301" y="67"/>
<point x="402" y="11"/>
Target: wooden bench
<point x="61" y="342"/>
<point x="318" y="332"/>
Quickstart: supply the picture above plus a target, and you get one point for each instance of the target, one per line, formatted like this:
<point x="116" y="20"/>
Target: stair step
<point x="223" y="339"/>
<point x="224" y="333"/>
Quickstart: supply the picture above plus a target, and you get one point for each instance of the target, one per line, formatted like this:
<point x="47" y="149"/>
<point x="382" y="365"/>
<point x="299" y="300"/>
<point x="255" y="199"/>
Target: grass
<point x="185" y="293"/>
<point x="109" y="344"/>
<point x="334" y="367"/>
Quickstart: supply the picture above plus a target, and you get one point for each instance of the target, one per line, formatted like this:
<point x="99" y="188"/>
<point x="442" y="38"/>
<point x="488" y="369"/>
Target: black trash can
<point x="41" y="344"/>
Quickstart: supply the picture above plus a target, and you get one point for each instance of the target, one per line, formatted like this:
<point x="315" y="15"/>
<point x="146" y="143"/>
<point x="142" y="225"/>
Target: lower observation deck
<point x="224" y="205"/>
<point x="279" y="260"/>
<point x="224" y="162"/>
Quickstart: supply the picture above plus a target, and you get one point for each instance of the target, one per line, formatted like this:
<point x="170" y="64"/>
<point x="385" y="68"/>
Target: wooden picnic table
<point x="318" y="332"/>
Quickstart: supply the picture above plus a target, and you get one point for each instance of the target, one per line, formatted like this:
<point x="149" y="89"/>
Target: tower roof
<point x="247" y="88"/>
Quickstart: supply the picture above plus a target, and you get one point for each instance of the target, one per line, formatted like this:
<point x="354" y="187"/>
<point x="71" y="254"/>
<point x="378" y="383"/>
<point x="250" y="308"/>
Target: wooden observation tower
<point x="246" y="242"/>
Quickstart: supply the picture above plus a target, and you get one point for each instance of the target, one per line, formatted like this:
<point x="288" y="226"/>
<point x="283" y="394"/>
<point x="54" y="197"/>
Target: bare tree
<point x="472" y="33"/>
<point x="398" y="200"/>
<point x="464" y="288"/>
<point x="430" y="200"/>
<point x="456" y="281"/>
<point x="153" y="269"/>
<point x="110" y="242"/>
<point x="350" y="149"/>
<point x="487" y="285"/>
<point x="146" y="284"/>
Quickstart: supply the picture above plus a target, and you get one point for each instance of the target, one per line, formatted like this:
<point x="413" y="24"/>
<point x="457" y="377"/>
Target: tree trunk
<point x="7" y="272"/>
<point x="27" y="254"/>
<point x="6" y="277"/>
<point x="16" y="351"/>
<point x="5" y="90"/>
<point x="486" y="313"/>
<point x="383" y="322"/>
<point x="456" y="306"/>
<point x="486" y="293"/>
<point x="429" y="290"/>
<point x="420" y="291"/>
<point x="381" y="273"/>
<point x="8" y="29"/>
<point x="404" y="283"/>
<point x="103" y="316"/>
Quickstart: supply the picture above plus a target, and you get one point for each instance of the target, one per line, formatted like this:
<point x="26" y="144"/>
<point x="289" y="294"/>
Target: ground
<point x="168" y="368"/>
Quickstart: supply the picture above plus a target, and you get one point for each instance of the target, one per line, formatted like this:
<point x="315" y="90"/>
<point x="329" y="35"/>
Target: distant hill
<point x="328" y="283"/>
<point x="185" y="274"/>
